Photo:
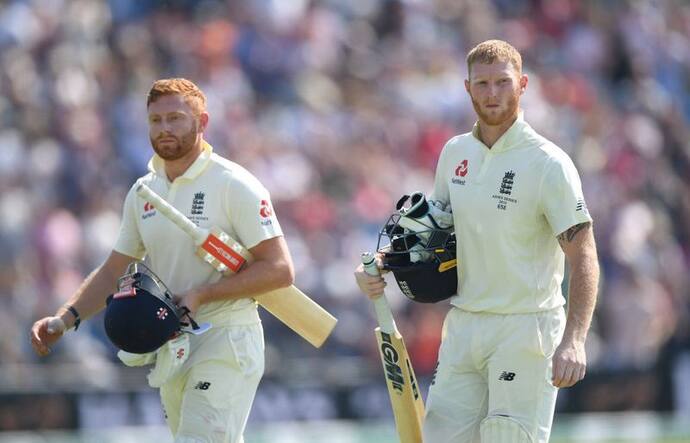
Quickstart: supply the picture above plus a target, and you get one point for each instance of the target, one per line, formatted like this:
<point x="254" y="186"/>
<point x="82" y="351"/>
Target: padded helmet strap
<point x="184" y="312"/>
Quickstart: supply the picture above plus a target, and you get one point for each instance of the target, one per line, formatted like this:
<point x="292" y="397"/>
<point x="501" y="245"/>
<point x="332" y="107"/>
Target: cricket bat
<point x="406" y="400"/>
<point x="289" y="305"/>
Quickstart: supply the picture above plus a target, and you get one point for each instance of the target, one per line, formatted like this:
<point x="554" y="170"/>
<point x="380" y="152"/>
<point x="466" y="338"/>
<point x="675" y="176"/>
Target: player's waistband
<point x="229" y="313"/>
<point x="507" y="304"/>
<point x="501" y="313"/>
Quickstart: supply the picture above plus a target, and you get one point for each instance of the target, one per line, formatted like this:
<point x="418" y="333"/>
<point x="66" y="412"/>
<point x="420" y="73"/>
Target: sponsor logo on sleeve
<point x="149" y="211"/>
<point x="461" y="171"/>
<point x="581" y="206"/>
<point x="266" y="212"/>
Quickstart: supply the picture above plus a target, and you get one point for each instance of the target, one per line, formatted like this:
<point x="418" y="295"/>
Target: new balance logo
<point x="203" y="385"/>
<point x="507" y="376"/>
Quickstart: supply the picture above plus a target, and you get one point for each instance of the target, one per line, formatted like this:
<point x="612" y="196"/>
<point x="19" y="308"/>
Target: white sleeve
<point x="250" y="211"/>
<point x="562" y="200"/>
<point x="129" y="240"/>
<point x="440" y="192"/>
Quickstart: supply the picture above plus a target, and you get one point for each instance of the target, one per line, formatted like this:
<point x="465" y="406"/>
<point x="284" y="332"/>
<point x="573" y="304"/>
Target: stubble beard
<point x="181" y="148"/>
<point x="500" y="118"/>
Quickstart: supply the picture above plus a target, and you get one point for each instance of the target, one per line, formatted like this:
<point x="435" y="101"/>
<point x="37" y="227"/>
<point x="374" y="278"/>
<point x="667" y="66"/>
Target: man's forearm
<point x="259" y="278"/>
<point x="90" y="298"/>
<point x="582" y="296"/>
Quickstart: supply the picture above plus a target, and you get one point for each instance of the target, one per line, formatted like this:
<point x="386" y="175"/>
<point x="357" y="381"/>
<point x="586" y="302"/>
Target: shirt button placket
<point x="485" y="166"/>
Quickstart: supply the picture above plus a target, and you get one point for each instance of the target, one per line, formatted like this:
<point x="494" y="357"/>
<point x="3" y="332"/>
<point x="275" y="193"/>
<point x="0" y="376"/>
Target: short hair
<point x="191" y="93"/>
<point x="491" y="51"/>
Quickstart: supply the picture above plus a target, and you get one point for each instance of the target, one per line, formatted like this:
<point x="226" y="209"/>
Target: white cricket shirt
<point x="509" y="204"/>
<point x="212" y="192"/>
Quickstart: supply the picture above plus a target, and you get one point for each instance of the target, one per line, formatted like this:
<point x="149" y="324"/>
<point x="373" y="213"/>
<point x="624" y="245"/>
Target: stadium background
<point x="338" y="107"/>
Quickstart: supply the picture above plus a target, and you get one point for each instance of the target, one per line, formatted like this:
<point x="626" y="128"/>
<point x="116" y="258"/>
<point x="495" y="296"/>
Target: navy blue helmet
<point x="420" y="253"/>
<point x="141" y="316"/>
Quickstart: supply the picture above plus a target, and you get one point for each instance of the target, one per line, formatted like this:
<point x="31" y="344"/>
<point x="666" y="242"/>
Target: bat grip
<point x="171" y="213"/>
<point x="381" y="307"/>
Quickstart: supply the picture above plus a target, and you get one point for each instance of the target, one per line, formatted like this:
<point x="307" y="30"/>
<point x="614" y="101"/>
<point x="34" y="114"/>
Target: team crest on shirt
<point x="197" y="213"/>
<point x="265" y="212"/>
<point x="505" y="189"/>
<point x="460" y="172"/>
<point x="198" y="203"/>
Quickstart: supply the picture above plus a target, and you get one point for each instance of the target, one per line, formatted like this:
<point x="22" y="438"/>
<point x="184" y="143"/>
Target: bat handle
<point x="381" y="307"/>
<point x="172" y="214"/>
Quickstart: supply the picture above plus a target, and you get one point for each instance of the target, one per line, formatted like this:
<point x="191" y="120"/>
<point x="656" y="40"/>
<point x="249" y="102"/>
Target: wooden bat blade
<point x="299" y="313"/>
<point x="406" y="400"/>
<point x="403" y="390"/>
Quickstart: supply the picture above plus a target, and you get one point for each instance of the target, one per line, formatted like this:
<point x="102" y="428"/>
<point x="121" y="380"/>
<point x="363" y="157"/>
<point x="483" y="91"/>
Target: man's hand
<point x="569" y="363"/>
<point x="371" y="285"/>
<point x="45" y="332"/>
<point x="191" y="300"/>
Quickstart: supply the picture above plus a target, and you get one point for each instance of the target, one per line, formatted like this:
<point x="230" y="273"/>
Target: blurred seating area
<point x="340" y="108"/>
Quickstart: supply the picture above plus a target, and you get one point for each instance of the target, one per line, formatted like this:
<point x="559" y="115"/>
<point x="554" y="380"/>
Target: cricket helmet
<point x="420" y="253"/>
<point x="141" y="316"/>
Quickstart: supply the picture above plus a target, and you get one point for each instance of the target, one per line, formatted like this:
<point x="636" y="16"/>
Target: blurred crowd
<point x="340" y="107"/>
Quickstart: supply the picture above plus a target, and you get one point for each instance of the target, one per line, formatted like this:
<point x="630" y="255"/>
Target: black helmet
<point x="420" y="254"/>
<point x="141" y="316"/>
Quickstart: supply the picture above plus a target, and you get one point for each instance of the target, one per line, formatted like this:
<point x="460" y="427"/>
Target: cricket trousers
<point x="494" y="370"/>
<point x="209" y="402"/>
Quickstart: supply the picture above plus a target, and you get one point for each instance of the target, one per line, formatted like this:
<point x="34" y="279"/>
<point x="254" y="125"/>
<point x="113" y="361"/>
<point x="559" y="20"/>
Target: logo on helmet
<point x="405" y="288"/>
<point x="162" y="313"/>
<point x="126" y="288"/>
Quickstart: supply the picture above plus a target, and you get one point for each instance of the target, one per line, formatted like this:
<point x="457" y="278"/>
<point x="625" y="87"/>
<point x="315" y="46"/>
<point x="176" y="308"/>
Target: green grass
<point x="596" y="428"/>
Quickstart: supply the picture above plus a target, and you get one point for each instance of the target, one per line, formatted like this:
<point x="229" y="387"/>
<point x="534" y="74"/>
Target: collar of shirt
<point x="511" y="138"/>
<point x="157" y="164"/>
